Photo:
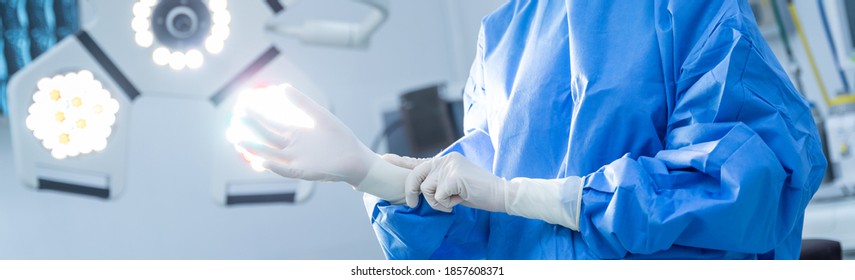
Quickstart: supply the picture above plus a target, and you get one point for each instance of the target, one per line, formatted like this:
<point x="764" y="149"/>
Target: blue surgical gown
<point x="691" y="141"/>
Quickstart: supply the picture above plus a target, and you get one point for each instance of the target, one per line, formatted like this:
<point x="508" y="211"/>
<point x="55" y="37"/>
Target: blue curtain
<point x="29" y="28"/>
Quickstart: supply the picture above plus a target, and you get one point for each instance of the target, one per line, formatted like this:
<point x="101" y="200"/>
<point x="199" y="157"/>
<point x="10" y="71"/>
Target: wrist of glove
<point x="384" y="180"/>
<point x="451" y="180"/>
<point x="556" y="201"/>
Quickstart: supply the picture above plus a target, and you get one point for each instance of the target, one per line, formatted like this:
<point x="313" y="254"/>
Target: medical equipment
<point x="823" y="48"/>
<point x="203" y="50"/>
<point x="333" y="33"/>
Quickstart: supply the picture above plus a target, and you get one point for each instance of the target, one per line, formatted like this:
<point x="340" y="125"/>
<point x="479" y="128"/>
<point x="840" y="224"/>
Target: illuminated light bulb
<point x="221" y="18"/>
<point x="112" y="106"/>
<point x="35" y="109"/>
<point x="40" y="96"/>
<point x="86" y="75"/>
<point x="59" y="117"/>
<point x="214" y="45"/>
<point x="73" y="153"/>
<point x="81" y="123"/>
<point x="109" y="120"/>
<point x="139" y="24"/>
<point x="55" y="95"/>
<point x="220" y="32"/>
<point x="64" y="138"/>
<point x="57" y="154"/>
<point x="50" y="143"/>
<point x="99" y="144"/>
<point x="32" y="123"/>
<point x="76" y="102"/>
<point x="98" y="109"/>
<point x="161" y="56"/>
<point x="144" y="39"/>
<point x="217" y="5"/>
<point x="194" y="59"/>
<point x="69" y="77"/>
<point x="95" y="86"/>
<point x="177" y="61"/>
<point x="141" y="10"/>
<point x="44" y="84"/>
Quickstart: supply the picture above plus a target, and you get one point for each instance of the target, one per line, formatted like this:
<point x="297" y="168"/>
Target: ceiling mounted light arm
<point x="334" y="33"/>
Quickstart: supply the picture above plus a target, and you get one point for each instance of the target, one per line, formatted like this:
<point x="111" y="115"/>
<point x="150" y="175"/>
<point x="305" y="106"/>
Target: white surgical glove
<point x="451" y="179"/>
<point x="404" y="162"/>
<point x="321" y="149"/>
<point x="411" y="195"/>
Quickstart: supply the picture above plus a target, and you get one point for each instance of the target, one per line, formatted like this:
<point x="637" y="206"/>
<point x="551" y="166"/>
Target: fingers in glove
<point x="303" y="102"/>
<point x="265" y="134"/>
<point x="403" y="162"/>
<point x="412" y="186"/>
<point x="265" y="152"/>
<point x="277" y="126"/>
<point x="428" y="188"/>
<point x="283" y="169"/>
<point x="448" y="193"/>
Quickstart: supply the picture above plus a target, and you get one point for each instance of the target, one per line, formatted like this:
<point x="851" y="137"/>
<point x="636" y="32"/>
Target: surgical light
<point x="72" y="114"/>
<point x="272" y="104"/>
<point x="178" y="30"/>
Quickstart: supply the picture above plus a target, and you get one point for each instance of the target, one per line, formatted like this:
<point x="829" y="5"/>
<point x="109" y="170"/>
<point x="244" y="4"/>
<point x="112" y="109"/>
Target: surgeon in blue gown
<point x="668" y="129"/>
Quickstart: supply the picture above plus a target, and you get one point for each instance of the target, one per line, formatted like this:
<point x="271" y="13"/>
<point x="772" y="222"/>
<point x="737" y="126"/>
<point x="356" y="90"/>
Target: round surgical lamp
<point x="181" y="33"/>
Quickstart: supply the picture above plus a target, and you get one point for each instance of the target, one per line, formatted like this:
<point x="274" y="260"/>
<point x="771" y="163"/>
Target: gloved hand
<point x="451" y="180"/>
<point x="411" y="194"/>
<point x="321" y="148"/>
<point x="403" y="162"/>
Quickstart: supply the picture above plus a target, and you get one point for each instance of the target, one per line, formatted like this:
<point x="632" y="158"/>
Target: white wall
<point x="166" y="211"/>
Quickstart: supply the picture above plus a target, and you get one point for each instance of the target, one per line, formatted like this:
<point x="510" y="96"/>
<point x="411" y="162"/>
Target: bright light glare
<point x="141" y="10"/>
<point x="177" y="61"/>
<point x="194" y="59"/>
<point x="220" y="32"/>
<point x="161" y="56"/>
<point x="271" y="103"/>
<point x="140" y="24"/>
<point x="72" y="114"/>
<point x="222" y="18"/>
<point x="144" y="39"/>
<point x="213" y="45"/>
<point x="217" y="5"/>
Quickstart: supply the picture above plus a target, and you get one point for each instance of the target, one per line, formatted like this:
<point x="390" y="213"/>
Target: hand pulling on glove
<point x="450" y="180"/>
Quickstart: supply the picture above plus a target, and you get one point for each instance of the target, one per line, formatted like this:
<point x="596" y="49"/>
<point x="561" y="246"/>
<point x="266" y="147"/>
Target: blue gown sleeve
<point x="742" y="159"/>
<point x="424" y="233"/>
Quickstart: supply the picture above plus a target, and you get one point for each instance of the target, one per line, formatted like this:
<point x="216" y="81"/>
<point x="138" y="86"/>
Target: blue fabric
<point x="42" y="26"/>
<point x="691" y="141"/>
